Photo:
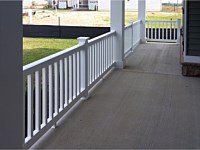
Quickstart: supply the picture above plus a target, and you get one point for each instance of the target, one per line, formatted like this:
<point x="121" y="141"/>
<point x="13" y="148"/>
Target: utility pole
<point x="174" y="8"/>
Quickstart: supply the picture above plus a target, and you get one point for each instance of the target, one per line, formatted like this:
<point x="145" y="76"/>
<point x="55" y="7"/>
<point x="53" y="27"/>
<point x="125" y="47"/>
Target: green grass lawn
<point x="153" y="16"/>
<point x="37" y="48"/>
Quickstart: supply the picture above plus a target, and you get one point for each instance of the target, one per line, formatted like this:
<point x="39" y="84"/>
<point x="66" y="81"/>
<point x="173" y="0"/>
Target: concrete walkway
<point x="148" y="105"/>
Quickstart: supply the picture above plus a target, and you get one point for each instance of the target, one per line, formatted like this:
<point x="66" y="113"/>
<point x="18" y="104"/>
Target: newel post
<point x="142" y="17"/>
<point x="84" y="65"/>
<point x="117" y="24"/>
<point x="11" y="76"/>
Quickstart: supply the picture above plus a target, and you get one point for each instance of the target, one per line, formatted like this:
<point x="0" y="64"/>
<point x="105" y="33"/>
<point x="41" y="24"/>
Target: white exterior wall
<point x="92" y="4"/>
<point x="104" y="4"/>
<point x="70" y="3"/>
<point x="29" y="2"/>
<point x="132" y="5"/>
<point x="154" y="5"/>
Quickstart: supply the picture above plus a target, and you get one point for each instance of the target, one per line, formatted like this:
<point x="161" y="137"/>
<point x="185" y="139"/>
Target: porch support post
<point x="117" y="24"/>
<point x="11" y="76"/>
<point x="178" y="31"/>
<point x="142" y="17"/>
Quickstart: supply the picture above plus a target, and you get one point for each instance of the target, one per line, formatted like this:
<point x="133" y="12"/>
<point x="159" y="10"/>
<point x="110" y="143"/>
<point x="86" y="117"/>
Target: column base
<point x="120" y="64"/>
<point x="143" y="41"/>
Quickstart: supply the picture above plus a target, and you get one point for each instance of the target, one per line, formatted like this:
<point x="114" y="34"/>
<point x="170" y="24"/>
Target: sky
<point x="171" y="1"/>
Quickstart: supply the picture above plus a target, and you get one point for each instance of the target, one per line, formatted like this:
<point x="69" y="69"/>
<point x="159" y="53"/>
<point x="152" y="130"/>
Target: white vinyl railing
<point x="54" y="84"/>
<point x="100" y="57"/>
<point x="132" y="36"/>
<point x="163" y="30"/>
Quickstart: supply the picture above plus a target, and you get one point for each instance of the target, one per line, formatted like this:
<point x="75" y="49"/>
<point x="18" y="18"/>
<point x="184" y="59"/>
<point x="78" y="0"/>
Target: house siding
<point x="193" y="28"/>
<point x="132" y="5"/>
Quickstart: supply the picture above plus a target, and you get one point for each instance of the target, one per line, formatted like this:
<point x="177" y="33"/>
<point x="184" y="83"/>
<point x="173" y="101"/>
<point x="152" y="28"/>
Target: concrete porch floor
<point x="149" y="104"/>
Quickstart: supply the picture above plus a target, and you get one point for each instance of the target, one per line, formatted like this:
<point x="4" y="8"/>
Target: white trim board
<point x="191" y="59"/>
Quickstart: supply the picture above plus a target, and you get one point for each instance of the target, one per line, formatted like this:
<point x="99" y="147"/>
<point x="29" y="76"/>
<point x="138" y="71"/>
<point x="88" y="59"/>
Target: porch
<point x="143" y="103"/>
<point x="152" y="106"/>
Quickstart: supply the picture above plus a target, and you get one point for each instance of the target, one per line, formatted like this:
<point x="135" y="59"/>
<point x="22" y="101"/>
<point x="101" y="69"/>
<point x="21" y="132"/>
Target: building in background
<point x="74" y="4"/>
<point x="131" y="5"/>
<point x="34" y="3"/>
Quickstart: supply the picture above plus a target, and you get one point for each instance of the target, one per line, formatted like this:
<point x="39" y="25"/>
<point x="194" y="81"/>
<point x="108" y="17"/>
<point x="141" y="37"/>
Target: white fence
<point x="163" y="30"/>
<point x="132" y="36"/>
<point x="54" y="84"/>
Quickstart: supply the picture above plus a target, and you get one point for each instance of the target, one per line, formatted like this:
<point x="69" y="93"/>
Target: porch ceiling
<point x="146" y="105"/>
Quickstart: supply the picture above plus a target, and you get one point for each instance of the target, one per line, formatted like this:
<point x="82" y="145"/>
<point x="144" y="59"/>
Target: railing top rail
<point x="161" y="20"/>
<point x="96" y="39"/>
<point x="134" y="23"/>
<point x="44" y="62"/>
<point x="128" y="26"/>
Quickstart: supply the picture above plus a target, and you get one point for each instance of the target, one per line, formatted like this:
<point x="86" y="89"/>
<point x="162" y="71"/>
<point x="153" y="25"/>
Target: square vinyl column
<point x="11" y="76"/>
<point x="142" y="17"/>
<point x="117" y="24"/>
